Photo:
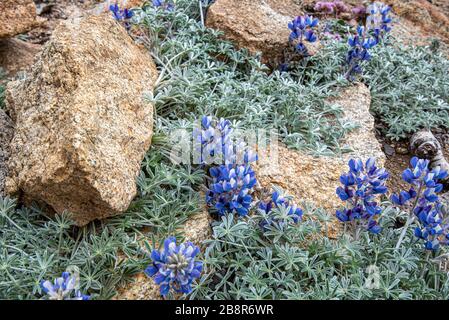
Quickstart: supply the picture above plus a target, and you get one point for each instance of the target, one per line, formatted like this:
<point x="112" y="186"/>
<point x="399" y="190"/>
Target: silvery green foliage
<point x="203" y="74"/>
<point x="245" y="261"/>
<point x="34" y="247"/>
<point x="409" y="87"/>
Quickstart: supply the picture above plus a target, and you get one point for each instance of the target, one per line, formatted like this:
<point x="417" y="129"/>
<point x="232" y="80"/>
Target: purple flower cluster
<point x="213" y="144"/>
<point x="426" y="207"/>
<point x="278" y="201"/>
<point x="359" y="11"/>
<point x="331" y="7"/>
<point x="302" y="29"/>
<point x="360" y="44"/>
<point x="63" y="288"/>
<point x="163" y="5"/>
<point x="230" y="184"/>
<point x="378" y="19"/>
<point x="360" y="186"/>
<point x="230" y="189"/>
<point x="175" y="267"/>
<point x="121" y="15"/>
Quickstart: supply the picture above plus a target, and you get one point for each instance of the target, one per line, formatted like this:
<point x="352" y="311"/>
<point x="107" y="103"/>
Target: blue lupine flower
<point x="360" y="185"/>
<point x="359" y="44"/>
<point x="278" y="201"/>
<point x="174" y="267"/>
<point x="378" y="19"/>
<point x="213" y="144"/>
<point x="63" y="288"/>
<point x="433" y="228"/>
<point x="302" y="30"/>
<point x="163" y="4"/>
<point x="230" y="189"/>
<point x="427" y="209"/>
<point x="283" y="67"/>
<point x="121" y="15"/>
<point x="403" y="197"/>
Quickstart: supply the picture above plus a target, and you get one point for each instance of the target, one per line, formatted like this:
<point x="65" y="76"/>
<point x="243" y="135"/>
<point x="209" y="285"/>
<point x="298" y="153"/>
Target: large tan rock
<point x="433" y="20"/>
<point x="258" y="25"/>
<point x="315" y="179"/>
<point x="6" y="133"/>
<point x="82" y="125"/>
<point x="16" y="17"/>
<point x="17" y="55"/>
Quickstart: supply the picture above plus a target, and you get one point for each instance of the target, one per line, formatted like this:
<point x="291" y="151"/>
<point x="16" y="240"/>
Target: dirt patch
<point x="398" y="158"/>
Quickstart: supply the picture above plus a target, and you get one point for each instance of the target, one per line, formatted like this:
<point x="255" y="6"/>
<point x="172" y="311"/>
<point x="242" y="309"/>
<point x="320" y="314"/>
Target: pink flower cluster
<point x="330" y="7"/>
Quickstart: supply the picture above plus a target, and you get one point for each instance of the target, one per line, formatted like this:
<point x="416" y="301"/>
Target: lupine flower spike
<point x="175" y="267"/>
<point x="277" y="200"/>
<point x="121" y="15"/>
<point x="302" y="29"/>
<point x="359" y="44"/>
<point x="213" y="144"/>
<point x="360" y="186"/>
<point x="231" y="183"/>
<point x="230" y="189"/>
<point x="63" y="288"/>
<point x="425" y="185"/>
<point x="163" y="4"/>
<point x="379" y="19"/>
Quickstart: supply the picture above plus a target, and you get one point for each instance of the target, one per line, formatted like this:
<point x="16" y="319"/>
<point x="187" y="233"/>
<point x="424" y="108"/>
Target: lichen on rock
<point x="82" y="124"/>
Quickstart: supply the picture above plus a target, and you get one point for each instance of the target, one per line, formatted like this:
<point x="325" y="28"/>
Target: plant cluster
<point x="121" y="15"/>
<point x="166" y="5"/>
<point x="335" y="7"/>
<point x="266" y="254"/>
<point x="63" y="288"/>
<point x="278" y="201"/>
<point x="302" y="29"/>
<point x="425" y="185"/>
<point x="360" y="186"/>
<point x="298" y="261"/>
<point x="230" y="189"/>
<point x="107" y="253"/>
<point x="409" y="88"/>
<point x="175" y="267"/>
<point x="379" y="19"/>
<point x="360" y="44"/>
<point x="202" y="74"/>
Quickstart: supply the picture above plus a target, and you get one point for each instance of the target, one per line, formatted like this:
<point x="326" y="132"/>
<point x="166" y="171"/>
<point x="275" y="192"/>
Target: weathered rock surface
<point x="258" y="25"/>
<point x="432" y="19"/>
<point x="315" y="179"/>
<point x="17" y="55"/>
<point x="6" y="133"/>
<point x="16" y="17"/>
<point x="82" y="126"/>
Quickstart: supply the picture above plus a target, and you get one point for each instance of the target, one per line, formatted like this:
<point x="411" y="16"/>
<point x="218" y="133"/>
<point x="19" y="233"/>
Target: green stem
<point x="423" y="271"/>
<point x="410" y="219"/>
<point x="404" y="230"/>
